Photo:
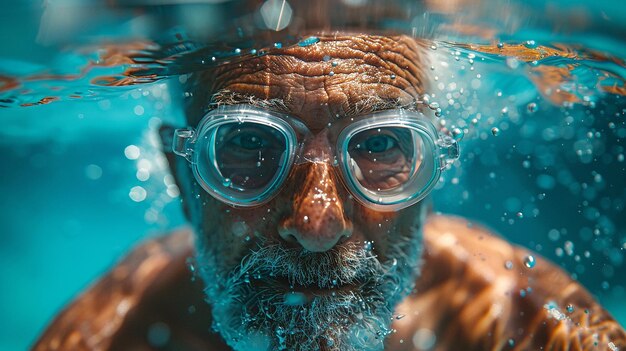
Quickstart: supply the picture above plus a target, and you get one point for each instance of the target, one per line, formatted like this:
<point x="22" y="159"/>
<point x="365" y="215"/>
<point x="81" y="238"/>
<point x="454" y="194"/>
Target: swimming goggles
<point x="388" y="160"/>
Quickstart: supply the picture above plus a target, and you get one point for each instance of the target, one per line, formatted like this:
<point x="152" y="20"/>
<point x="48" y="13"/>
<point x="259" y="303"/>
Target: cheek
<point x="378" y="227"/>
<point x="387" y="228"/>
<point x="246" y="226"/>
<point x="375" y="225"/>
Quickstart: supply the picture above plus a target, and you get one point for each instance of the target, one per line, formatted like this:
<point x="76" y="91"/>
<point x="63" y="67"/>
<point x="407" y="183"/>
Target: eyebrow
<point x="370" y="104"/>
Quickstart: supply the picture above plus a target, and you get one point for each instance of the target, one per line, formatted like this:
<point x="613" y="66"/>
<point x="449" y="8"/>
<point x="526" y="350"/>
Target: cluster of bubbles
<point x="524" y="153"/>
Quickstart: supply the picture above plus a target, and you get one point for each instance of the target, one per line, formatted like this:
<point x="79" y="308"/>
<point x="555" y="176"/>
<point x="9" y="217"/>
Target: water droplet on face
<point x="495" y="131"/>
<point x="368" y="246"/>
<point x="306" y="219"/>
<point x="309" y="41"/>
<point x="500" y="45"/>
<point x="335" y="63"/>
<point x="158" y="335"/>
<point x="508" y="265"/>
<point x="239" y="228"/>
<point x="393" y="76"/>
<point x="400" y="316"/>
<point x="278" y="45"/>
<point x="511" y="342"/>
<point x="331" y="73"/>
<point x="531" y="44"/>
<point x="570" y="308"/>
<point x="529" y="261"/>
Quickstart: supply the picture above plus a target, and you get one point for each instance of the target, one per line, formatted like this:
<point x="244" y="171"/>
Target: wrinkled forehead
<point x="339" y="76"/>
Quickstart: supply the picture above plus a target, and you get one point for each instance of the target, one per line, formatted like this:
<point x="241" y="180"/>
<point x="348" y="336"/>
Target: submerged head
<point x="304" y="188"/>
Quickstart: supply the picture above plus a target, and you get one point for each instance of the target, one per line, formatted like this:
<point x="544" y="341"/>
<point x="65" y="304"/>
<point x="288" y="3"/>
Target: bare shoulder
<point x="479" y="292"/>
<point x="148" y="301"/>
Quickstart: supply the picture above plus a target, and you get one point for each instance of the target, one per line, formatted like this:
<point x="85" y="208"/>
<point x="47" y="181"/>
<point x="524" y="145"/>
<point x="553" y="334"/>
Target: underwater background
<point x="534" y="91"/>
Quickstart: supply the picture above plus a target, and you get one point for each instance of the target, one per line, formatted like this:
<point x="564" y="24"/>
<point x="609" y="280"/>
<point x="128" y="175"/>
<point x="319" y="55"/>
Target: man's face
<point x="312" y="268"/>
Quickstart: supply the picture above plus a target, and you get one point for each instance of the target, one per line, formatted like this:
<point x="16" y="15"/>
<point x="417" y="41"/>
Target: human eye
<point x="248" y="141"/>
<point x="379" y="143"/>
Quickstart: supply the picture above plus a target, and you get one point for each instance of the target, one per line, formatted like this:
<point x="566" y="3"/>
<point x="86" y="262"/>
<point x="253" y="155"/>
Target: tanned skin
<point x="468" y="294"/>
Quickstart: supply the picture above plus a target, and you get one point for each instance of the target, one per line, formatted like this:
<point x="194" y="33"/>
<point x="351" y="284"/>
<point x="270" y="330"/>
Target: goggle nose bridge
<point x="448" y="151"/>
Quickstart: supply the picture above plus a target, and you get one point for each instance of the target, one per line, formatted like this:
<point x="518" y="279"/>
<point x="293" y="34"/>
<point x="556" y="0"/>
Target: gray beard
<point x="253" y="312"/>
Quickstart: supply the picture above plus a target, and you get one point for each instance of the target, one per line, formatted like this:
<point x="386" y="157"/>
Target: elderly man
<point x="304" y="174"/>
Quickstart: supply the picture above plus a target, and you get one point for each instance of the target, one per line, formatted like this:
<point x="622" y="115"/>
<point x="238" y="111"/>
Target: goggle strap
<point x="448" y="151"/>
<point x="182" y="143"/>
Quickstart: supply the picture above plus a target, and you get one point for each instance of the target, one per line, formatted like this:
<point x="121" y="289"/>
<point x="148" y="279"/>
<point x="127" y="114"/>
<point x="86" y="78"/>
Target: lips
<point x="310" y="289"/>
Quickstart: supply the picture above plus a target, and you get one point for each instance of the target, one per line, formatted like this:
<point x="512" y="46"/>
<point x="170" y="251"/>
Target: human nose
<point x="317" y="221"/>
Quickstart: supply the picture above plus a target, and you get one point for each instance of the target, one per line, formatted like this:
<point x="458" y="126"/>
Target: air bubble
<point x="529" y="261"/>
<point x="495" y="131"/>
<point x="309" y="41"/>
<point x="531" y="44"/>
<point x="294" y="299"/>
<point x="137" y="194"/>
<point x="457" y="134"/>
<point x="226" y="182"/>
<point x="512" y="62"/>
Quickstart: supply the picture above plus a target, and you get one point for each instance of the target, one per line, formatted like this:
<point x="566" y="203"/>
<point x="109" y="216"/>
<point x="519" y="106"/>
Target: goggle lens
<point x="385" y="159"/>
<point x="242" y="161"/>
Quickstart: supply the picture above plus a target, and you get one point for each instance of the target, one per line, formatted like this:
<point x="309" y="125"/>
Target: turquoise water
<point x="83" y="181"/>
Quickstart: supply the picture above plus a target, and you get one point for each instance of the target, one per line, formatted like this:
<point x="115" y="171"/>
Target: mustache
<point x="351" y="263"/>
